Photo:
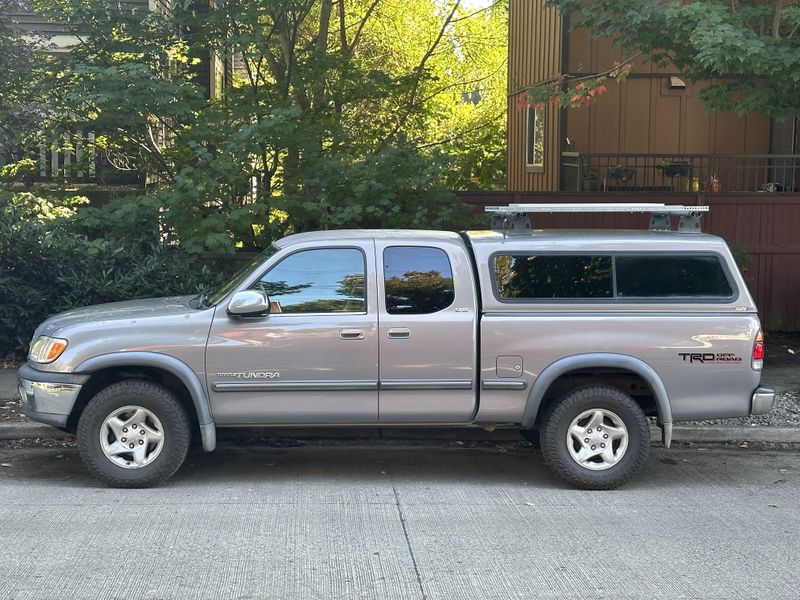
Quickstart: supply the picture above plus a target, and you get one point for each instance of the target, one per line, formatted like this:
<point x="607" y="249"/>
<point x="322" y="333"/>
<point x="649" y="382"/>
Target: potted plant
<point x="621" y="172"/>
<point x="670" y="168"/>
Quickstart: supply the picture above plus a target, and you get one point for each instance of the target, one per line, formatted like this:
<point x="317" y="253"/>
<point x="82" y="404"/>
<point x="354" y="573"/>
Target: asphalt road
<point x="384" y="522"/>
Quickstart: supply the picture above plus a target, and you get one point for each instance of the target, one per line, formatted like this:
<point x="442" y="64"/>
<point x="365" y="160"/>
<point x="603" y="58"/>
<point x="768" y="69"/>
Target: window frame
<point x="384" y="306"/>
<point x="530" y="139"/>
<point x="615" y="298"/>
<point x="311" y="249"/>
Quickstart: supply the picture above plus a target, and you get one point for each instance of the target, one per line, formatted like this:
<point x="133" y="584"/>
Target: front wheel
<point x="595" y="438"/>
<point x="133" y="434"/>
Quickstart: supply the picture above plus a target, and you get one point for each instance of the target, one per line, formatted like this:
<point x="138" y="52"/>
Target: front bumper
<point x="48" y="397"/>
<point x="763" y="401"/>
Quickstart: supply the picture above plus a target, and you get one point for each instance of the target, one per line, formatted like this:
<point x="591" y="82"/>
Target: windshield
<point x="214" y="297"/>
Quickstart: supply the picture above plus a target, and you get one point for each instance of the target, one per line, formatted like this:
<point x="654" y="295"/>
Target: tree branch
<point x="420" y="68"/>
<point x="463" y="83"/>
<point x="361" y="25"/>
<point x="460" y="134"/>
<point x="342" y="27"/>
<point x="776" y="20"/>
<point x="477" y="12"/>
<point x="570" y="78"/>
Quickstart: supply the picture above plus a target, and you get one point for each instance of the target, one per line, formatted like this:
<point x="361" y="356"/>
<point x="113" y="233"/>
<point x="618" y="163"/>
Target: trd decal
<point x="709" y="357"/>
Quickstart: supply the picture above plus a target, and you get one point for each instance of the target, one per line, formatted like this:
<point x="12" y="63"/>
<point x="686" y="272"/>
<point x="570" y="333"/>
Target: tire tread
<point x="169" y="409"/>
<point x="565" y="408"/>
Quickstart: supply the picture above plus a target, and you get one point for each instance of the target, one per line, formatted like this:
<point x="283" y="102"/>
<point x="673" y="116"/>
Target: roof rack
<point x="514" y="217"/>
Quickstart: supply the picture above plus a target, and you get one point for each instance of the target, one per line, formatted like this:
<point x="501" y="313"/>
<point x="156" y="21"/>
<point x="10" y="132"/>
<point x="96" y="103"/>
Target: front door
<point x="427" y="333"/>
<point x="314" y="358"/>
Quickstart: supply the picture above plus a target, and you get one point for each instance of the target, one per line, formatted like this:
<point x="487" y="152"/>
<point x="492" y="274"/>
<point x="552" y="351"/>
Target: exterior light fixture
<point x="676" y="83"/>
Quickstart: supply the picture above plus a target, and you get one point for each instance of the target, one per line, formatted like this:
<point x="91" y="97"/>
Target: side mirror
<point x="249" y="303"/>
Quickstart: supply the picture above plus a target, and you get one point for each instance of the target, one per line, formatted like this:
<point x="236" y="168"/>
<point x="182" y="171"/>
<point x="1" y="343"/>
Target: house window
<point x="534" y="139"/>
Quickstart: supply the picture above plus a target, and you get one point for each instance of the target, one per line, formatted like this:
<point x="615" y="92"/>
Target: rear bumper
<point x="48" y="397"/>
<point x="763" y="401"/>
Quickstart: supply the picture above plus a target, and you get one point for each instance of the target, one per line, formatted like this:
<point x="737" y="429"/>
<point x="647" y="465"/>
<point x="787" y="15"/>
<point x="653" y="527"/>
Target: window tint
<point x="324" y="280"/>
<point x="561" y="276"/>
<point x="417" y="280"/>
<point x="670" y="276"/>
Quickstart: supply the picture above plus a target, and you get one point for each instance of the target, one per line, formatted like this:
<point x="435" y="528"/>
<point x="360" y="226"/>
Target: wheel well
<point x="105" y="377"/>
<point x="626" y="381"/>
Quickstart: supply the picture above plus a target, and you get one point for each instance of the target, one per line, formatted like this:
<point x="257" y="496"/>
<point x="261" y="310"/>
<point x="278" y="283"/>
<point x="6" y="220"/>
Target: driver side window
<point x="324" y="280"/>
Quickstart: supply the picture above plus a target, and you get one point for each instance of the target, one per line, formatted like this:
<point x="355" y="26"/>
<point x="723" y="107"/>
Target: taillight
<point x="758" y="351"/>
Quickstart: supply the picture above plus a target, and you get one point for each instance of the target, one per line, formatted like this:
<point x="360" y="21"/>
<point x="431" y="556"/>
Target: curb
<point x="693" y="433"/>
<point x="699" y="433"/>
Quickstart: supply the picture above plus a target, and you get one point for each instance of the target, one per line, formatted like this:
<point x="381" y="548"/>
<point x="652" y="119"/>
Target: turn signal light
<point x="46" y="349"/>
<point x="55" y="350"/>
<point x="758" y="351"/>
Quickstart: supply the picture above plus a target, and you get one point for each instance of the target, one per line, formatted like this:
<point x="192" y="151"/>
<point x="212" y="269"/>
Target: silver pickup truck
<point x="575" y="337"/>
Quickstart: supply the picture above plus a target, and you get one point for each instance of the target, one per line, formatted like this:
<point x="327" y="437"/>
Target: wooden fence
<point x="766" y="225"/>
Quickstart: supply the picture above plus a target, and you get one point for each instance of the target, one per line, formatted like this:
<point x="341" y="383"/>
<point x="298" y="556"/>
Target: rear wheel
<point x="595" y="438"/>
<point x="133" y="433"/>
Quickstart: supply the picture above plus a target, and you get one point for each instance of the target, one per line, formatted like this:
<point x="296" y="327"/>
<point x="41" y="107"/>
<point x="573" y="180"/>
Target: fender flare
<point x="600" y="359"/>
<point x="172" y="365"/>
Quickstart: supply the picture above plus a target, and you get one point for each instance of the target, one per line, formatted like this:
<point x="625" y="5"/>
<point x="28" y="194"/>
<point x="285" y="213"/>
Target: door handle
<point x="399" y="333"/>
<point x="351" y="334"/>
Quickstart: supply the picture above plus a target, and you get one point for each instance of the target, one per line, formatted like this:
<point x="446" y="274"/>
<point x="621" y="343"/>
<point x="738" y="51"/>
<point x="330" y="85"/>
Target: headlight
<point x="46" y="349"/>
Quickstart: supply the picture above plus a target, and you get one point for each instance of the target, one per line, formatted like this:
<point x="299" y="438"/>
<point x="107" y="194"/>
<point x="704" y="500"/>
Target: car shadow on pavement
<point x="347" y="465"/>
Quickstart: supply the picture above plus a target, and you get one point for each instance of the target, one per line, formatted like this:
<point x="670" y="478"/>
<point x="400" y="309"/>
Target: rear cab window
<point x="536" y="278"/>
<point x="418" y="280"/>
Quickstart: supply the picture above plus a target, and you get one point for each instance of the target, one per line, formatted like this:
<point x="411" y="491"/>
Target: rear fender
<point x="599" y="360"/>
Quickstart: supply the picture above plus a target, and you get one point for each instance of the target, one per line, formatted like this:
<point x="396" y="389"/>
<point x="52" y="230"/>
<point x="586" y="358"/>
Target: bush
<point x="45" y="268"/>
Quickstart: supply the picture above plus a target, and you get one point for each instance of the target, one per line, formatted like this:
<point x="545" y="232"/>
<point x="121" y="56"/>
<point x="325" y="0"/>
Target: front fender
<point x="168" y="363"/>
<point x="593" y="360"/>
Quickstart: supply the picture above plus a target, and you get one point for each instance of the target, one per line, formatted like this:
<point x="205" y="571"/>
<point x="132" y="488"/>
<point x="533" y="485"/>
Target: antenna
<point x="514" y="217"/>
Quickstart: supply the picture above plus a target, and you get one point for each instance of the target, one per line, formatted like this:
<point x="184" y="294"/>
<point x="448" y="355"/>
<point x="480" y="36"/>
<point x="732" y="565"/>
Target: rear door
<point x="427" y="333"/>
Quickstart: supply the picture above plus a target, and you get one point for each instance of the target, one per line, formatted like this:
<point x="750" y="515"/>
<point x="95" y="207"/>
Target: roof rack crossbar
<point x="514" y="217"/>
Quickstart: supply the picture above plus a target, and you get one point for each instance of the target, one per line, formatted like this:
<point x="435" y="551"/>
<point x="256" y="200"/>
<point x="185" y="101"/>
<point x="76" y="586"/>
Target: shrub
<point x="45" y="268"/>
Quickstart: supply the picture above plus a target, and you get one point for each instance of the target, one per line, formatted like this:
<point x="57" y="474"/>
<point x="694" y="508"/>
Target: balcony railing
<point x="71" y="158"/>
<point x="593" y="172"/>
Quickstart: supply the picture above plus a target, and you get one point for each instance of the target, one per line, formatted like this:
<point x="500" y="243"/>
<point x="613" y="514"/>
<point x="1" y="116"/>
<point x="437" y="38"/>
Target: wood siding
<point x="534" y="54"/>
<point x="766" y="225"/>
<point x="30" y="22"/>
<point x="643" y="115"/>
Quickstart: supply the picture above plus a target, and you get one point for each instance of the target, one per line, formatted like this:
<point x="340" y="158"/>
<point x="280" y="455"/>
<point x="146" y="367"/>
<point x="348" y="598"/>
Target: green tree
<point x="20" y="63"/>
<point x="334" y="114"/>
<point x="748" y="50"/>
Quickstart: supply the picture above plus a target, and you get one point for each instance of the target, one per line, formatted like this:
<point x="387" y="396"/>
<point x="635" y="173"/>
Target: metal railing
<point x="595" y="172"/>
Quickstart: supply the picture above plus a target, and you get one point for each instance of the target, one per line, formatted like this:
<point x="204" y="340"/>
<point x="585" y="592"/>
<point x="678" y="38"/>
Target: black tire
<point x="556" y="424"/>
<point x="152" y="397"/>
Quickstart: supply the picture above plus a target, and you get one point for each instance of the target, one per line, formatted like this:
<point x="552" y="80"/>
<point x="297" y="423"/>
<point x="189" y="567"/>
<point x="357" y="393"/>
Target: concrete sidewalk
<point x="400" y="523"/>
<point x="8" y="384"/>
